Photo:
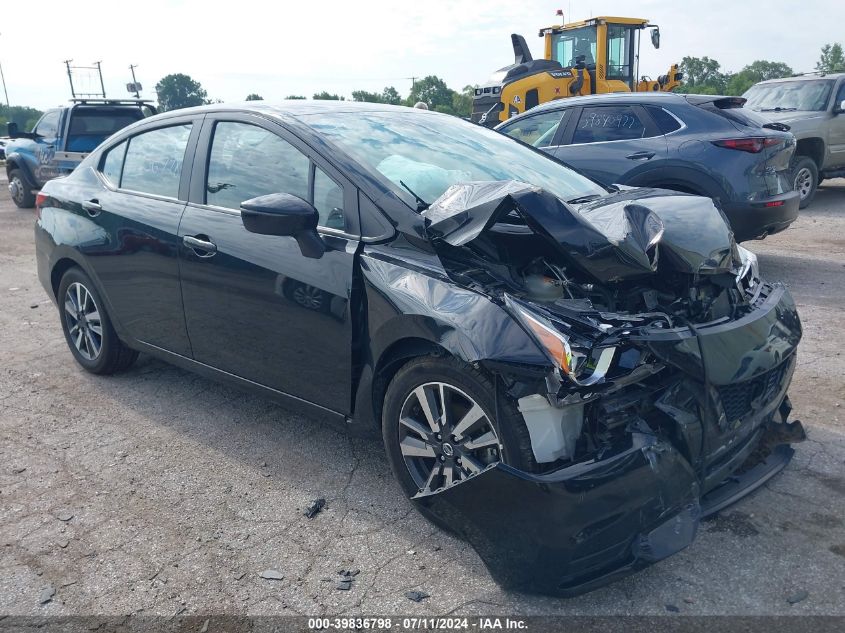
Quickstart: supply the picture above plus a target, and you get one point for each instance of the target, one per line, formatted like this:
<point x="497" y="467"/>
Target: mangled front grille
<point x="738" y="399"/>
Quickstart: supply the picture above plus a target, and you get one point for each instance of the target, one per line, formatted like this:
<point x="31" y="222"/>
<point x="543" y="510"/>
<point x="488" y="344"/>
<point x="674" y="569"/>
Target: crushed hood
<point x="619" y="236"/>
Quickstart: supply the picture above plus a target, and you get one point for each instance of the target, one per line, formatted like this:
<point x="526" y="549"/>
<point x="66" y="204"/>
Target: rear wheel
<point x="805" y="179"/>
<point x="87" y="327"/>
<point x="439" y="425"/>
<point x="20" y="191"/>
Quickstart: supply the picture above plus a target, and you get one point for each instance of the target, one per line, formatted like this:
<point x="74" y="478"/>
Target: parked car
<point x="814" y="108"/>
<point x="3" y="142"/>
<point x="61" y="139"/>
<point x="702" y="144"/>
<point x="566" y="375"/>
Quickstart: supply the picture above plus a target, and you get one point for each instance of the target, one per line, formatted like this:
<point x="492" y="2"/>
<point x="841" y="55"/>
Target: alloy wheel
<point x="308" y="296"/>
<point x="804" y="182"/>
<point x="445" y="436"/>
<point x="83" y="321"/>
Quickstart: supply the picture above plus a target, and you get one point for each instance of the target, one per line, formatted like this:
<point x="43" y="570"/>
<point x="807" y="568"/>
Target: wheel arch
<point x="682" y="179"/>
<point x="812" y="148"/>
<point x="15" y="161"/>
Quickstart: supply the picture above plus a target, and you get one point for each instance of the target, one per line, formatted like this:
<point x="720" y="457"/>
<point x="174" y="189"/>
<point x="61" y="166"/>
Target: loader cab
<point x="609" y="46"/>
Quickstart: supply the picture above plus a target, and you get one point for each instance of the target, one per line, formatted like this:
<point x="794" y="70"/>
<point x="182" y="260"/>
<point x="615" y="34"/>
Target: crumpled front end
<point x="665" y="396"/>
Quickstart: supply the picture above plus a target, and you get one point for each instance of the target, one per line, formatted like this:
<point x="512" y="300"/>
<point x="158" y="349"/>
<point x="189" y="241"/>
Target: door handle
<point x="92" y="207"/>
<point x="640" y="155"/>
<point x="202" y="247"/>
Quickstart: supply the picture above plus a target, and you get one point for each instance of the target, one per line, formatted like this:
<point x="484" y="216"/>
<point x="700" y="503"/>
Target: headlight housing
<point x="574" y="363"/>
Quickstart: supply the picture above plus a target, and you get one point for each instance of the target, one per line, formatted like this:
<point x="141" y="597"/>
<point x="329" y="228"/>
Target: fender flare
<point x="16" y="161"/>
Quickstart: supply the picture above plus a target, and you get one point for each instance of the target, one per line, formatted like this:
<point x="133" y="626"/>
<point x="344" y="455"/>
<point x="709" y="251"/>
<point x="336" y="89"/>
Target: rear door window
<point x="610" y="123"/>
<point x="113" y="163"/>
<point x="538" y="130"/>
<point x="154" y="160"/>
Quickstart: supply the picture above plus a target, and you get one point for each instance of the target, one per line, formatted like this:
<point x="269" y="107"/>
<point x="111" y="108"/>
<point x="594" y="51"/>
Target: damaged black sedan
<point x="568" y="376"/>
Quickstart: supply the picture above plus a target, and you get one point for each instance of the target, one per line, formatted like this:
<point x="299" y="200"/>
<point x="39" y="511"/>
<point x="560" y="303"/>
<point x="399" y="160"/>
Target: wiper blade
<point x="580" y="199"/>
<point x="422" y="205"/>
<point x="778" y="109"/>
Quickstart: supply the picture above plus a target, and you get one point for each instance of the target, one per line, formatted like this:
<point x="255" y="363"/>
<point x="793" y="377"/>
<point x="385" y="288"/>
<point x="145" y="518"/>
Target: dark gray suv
<point x="703" y="144"/>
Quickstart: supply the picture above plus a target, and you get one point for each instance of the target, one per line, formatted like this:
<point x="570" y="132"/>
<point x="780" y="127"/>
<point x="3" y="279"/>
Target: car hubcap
<point x="83" y="321"/>
<point x="16" y="189"/>
<point x="308" y="297"/>
<point x="803" y="182"/>
<point x="445" y="436"/>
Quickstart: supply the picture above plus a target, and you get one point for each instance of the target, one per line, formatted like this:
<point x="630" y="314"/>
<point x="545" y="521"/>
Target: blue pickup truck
<point x="61" y="139"/>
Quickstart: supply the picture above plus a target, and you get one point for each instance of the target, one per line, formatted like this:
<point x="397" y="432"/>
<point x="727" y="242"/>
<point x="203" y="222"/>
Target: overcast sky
<point x="276" y="49"/>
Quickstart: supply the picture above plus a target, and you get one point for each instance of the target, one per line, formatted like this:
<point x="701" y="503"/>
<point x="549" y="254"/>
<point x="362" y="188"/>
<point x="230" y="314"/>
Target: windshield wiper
<point x="580" y="199"/>
<point x="422" y="205"/>
<point x="777" y="109"/>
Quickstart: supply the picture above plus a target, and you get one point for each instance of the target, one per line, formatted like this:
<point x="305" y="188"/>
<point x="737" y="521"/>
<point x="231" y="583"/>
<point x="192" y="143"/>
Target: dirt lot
<point x="159" y="492"/>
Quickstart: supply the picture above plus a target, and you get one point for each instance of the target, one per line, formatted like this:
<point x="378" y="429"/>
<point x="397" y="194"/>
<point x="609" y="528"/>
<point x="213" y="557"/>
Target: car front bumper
<point x="575" y="529"/>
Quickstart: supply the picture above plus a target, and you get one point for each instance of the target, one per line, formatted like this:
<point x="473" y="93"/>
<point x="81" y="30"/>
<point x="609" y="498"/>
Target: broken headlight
<point x="583" y="366"/>
<point x="748" y="277"/>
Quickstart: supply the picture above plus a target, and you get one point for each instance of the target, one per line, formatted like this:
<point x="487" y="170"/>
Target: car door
<point x="255" y="306"/>
<point x="609" y="142"/>
<point x="139" y="200"/>
<point x="42" y="149"/>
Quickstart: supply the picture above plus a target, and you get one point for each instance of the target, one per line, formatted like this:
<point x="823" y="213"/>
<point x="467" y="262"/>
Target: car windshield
<point x="426" y="153"/>
<point x="782" y="96"/>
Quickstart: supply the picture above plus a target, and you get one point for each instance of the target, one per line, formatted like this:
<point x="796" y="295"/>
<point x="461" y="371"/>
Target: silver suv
<point x="813" y="106"/>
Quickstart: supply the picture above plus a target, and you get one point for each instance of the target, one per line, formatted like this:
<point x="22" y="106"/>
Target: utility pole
<point x="5" y="92"/>
<point x="132" y="68"/>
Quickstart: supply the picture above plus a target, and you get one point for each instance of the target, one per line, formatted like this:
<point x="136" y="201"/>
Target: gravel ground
<point x="159" y="492"/>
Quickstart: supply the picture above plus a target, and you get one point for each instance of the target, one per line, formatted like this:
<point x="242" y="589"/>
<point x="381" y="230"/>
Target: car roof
<point x="807" y="77"/>
<point x="293" y="108"/>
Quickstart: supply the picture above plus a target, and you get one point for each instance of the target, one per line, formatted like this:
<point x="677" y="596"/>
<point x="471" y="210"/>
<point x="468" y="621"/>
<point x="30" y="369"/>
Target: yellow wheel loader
<point x="593" y="56"/>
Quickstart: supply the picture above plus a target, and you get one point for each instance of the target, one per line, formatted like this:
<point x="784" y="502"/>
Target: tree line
<point x="703" y="75"/>
<point x="182" y="91"/>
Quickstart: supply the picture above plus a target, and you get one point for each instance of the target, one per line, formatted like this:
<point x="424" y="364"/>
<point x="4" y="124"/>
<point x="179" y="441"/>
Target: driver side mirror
<point x="655" y="37"/>
<point x="285" y="214"/>
<point x="12" y="129"/>
<point x="839" y="108"/>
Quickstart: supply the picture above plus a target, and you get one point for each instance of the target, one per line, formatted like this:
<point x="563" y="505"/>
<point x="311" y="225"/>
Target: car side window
<point x="608" y="123"/>
<point x="153" y="162"/>
<point x="840" y="95"/>
<point x="328" y="200"/>
<point x="113" y="163"/>
<point x="538" y="130"/>
<point x="48" y="126"/>
<point x="247" y="161"/>
<point x="665" y="121"/>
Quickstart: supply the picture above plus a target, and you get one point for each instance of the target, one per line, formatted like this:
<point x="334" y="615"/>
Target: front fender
<point x="405" y="301"/>
<point x="16" y="160"/>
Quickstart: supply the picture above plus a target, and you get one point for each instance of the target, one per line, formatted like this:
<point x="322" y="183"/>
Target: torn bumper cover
<point x="580" y="527"/>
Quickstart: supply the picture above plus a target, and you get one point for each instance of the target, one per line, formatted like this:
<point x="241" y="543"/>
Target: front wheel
<point x="805" y="178"/>
<point x="20" y="190"/>
<point x="88" y="330"/>
<point x="439" y="427"/>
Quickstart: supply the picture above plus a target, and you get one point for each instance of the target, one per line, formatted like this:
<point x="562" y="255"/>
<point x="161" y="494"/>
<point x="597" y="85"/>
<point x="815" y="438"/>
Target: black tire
<point x="509" y="426"/>
<point x="805" y="179"/>
<point x="24" y="198"/>
<point x="112" y="355"/>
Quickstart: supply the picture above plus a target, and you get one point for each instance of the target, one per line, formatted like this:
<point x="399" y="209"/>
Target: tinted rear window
<point x="665" y="121"/>
<point x="102" y="121"/>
